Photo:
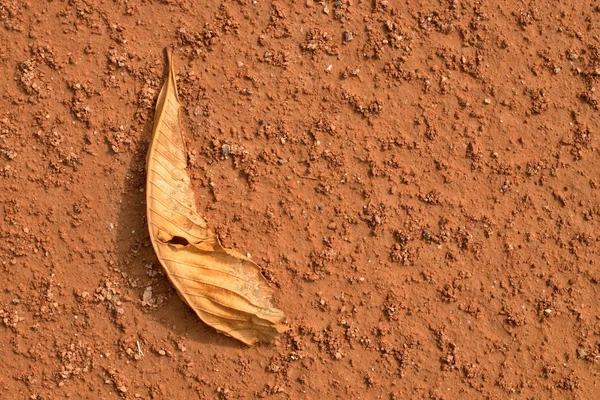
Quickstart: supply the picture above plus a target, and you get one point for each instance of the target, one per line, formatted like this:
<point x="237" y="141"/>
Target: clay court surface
<point x="419" y="181"/>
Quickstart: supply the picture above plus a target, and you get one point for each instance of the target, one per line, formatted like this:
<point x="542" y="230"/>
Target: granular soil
<point x="419" y="181"/>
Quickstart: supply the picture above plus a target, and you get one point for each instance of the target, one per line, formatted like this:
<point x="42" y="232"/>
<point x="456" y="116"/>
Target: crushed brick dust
<point x="419" y="180"/>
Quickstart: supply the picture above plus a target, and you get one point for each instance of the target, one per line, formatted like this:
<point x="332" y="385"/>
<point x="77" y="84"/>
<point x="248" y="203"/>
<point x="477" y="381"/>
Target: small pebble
<point x="487" y="101"/>
<point x="347" y="36"/>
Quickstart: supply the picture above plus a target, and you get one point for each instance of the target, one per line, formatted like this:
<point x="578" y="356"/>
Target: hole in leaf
<point x="178" y="240"/>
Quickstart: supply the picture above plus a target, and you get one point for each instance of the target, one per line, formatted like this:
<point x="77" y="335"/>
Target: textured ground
<point x="419" y="180"/>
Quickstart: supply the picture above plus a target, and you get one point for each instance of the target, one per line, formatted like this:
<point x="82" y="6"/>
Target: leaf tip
<point x="169" y="53"/>
<point x="171" y="70"/>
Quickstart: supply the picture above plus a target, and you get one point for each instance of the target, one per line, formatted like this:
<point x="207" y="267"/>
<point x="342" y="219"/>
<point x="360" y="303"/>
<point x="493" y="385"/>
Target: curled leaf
<point x="225" y="289"/>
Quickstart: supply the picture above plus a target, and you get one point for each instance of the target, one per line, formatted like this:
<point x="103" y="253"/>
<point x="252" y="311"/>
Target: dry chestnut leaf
<point x="225" y="289"/>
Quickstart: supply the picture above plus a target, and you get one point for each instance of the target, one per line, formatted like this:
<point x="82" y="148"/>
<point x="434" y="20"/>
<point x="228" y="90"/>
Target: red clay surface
<point x="419" y="180"/>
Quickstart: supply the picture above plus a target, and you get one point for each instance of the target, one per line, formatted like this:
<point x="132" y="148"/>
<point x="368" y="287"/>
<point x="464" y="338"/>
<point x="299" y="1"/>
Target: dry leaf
<point x="225" y="289"/>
